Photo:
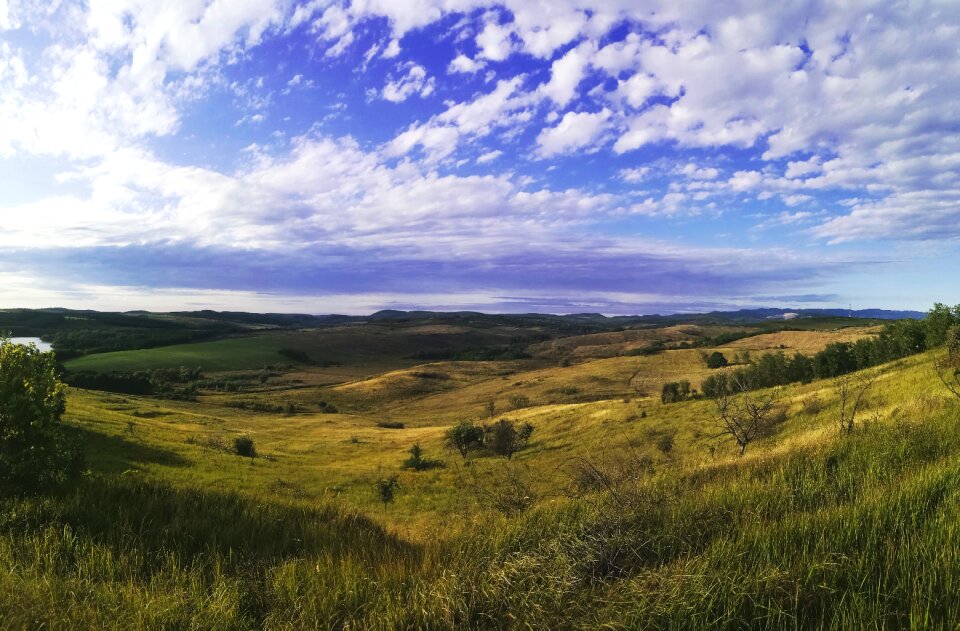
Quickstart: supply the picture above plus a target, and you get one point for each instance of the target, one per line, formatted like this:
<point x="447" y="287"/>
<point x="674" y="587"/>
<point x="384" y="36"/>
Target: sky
<point x="564" y="156"/>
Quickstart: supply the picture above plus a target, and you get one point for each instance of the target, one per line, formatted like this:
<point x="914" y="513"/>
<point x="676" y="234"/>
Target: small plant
<point x="518" y="401"/>
<point x="417" y="462"/>
<point x="390" y="425"/>
<point x="131" y="427"/>
<point x="665" y="443"/>
<point x="243" y="446"/>
<point x="386" y="489"/>
<point x="850" y="391"/>
<point x="491" y="408"/>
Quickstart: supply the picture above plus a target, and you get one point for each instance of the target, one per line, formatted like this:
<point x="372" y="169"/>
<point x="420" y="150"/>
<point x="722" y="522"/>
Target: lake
<point x="43" y="346"/>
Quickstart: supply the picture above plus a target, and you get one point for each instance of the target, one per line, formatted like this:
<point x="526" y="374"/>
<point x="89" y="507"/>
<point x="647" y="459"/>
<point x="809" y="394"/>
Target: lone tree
<point x="744" y="416"/>
<point x="948" y="366"/>
<point x="506" y="439"/>
<point x="35" y="453"/>
<point x="850" y="391"/>
<point x="715" y="360"/>
<point x="386" y="488"/>
<point x="463" y="437"/>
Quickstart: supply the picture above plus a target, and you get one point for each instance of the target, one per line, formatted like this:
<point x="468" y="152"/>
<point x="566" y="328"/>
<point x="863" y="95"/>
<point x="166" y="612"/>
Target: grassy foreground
<point x="810" y="530"/>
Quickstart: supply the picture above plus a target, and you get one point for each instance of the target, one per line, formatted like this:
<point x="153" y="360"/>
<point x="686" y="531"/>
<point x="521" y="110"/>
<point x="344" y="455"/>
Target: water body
<point x="43" y="346"/>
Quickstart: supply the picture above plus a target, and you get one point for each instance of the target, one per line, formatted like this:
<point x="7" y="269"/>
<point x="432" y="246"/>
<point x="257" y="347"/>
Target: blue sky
<point x="562" y="156"/>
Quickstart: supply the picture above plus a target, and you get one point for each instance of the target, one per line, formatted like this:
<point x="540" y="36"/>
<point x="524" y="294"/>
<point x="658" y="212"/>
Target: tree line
<point x="895" y="341"/>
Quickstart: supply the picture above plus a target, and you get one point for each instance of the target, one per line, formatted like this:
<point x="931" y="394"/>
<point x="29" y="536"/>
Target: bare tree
<point x="744" y="416"/>
<point x="850" y="391"/>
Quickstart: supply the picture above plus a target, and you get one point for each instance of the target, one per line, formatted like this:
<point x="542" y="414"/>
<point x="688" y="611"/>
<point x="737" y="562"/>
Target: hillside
<point x="622" y="511"/>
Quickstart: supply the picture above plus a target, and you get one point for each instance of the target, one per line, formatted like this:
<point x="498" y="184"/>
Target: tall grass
<point x="857" y="531"/>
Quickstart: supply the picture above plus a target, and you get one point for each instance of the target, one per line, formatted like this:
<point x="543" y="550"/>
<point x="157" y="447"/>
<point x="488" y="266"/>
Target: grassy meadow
<point x="635" y="514"/>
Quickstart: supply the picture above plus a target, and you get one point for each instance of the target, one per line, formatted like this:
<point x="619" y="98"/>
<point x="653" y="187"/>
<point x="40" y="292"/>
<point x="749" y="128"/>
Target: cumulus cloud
<point x="574" y="131"/>
<point x="794" y="105"/>
<point x="414" y="81"/>
<point x="464" y="65"/>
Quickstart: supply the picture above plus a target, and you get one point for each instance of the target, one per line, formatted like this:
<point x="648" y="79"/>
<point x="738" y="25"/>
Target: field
<point x="621" y="512"/>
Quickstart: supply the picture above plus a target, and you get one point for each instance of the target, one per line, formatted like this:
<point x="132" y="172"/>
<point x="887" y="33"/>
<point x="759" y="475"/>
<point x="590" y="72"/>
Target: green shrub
<point x="243" y="446"/>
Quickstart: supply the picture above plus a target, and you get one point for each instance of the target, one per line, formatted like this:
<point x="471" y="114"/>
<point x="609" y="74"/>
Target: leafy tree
<point x="675" y="391"/>
<point x="386" y="489"/>
<point x="938" y="321"/>
<point x="524" y="433"/>
<point x="948" y="366"/>
<point x="715" y="360"/>
<point x="35" y="452"/>
<point x="504" y="439"/>
<point x="463" y="437"/>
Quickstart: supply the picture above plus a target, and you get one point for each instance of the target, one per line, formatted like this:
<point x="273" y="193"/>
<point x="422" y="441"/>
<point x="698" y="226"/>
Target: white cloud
<point x="694" y="172"/>
<point x="745" y="181"/>
<point x="490" y="156"/>
<point x="566" y="74"/>
<point x="415" y="81"/>
<point x="574" y="131"/>
<point x="495" y="41"/>
<point x="392" y="49"/>
<point x="464" y="65"/>
<point x="802" y="168"/>
<point x="634" y="175"/>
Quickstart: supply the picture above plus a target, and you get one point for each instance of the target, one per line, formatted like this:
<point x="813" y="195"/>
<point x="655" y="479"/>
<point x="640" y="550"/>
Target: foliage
<point x="243" y="446"/>
<point x="386" y="489"/>
<point x="505" y="439"/>
<point x="676" y="391"/>
<point x="715" y="360"/>
<point x="418" y="462"/>
<point x="35" y="452"/>
<point x="948" y="366"/>
<point x="518" y="401"/>
<point x="463" y="437"/>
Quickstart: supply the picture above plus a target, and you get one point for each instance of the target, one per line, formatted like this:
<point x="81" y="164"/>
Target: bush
<point x="390" y="425"/>
<point x="715" y="360"/>
<point x="386" y="488"/>
<point x="505" y="439"/>
<point x="35" y="452"/>
<point x="518" y="401"/>
<point x="417" y="462"/>
<point x="243" y="446"/>
<point x="463" y="437"/>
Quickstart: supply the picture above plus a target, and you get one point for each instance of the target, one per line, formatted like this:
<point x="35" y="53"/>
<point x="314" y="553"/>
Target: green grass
<point x="810" y="529"/>
<point x="242" y="353"/>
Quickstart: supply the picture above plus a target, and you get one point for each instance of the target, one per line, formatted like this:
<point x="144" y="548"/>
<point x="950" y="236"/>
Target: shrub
<point x="386" y="487"/>
<point x="391" y="425"/>
<point x="417" y="462"/>
<point x="35" y="451"/>
<point x="463" y="437"/>
<point x="665" y="443"/>
<point x="243" y="446"/>
<point x="715" y="360"/>
<point x="518" y="401"/>
<point x="505" y="439"/>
